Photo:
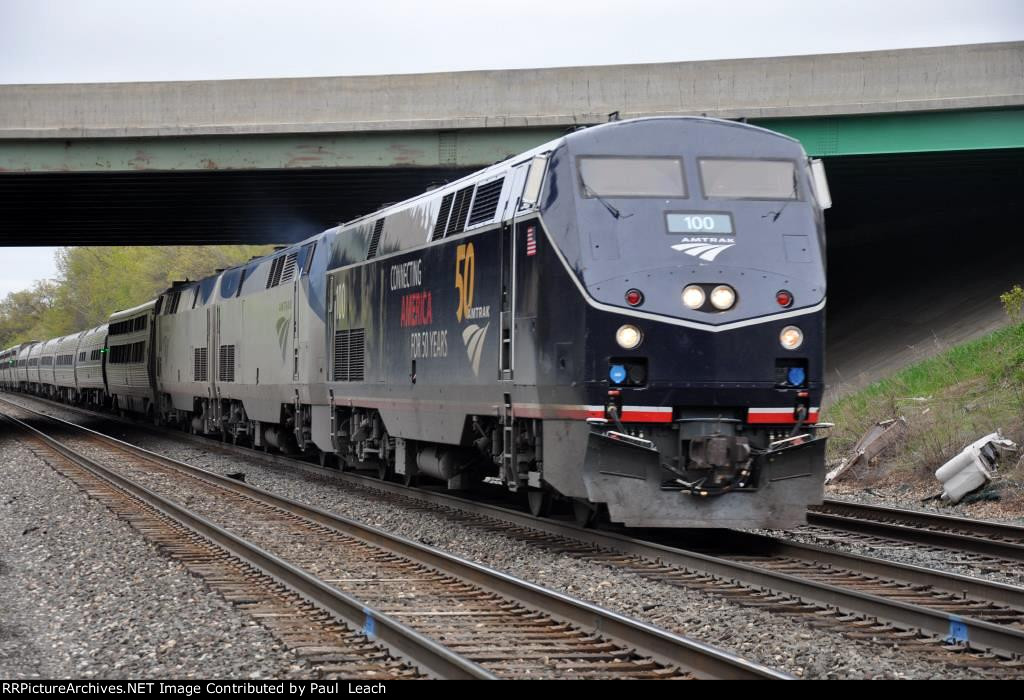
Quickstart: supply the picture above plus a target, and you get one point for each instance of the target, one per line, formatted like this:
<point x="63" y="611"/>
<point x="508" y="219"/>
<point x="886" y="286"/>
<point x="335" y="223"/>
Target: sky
<point x="21" y="267"/>
<point x="69" y="41"/>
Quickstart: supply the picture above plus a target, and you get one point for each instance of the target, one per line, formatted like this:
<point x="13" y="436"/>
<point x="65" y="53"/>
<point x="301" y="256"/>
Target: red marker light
<point x="784" y="298"/>
<point x="634" y="297"/>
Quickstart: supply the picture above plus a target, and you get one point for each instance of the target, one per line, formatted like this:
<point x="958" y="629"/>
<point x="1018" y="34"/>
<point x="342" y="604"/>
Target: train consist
<point x="629" y="318"/>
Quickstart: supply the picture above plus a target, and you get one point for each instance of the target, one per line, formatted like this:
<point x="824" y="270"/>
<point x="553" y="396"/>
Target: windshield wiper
<point x="589" y="192"/>
<point x="776" y="214"/>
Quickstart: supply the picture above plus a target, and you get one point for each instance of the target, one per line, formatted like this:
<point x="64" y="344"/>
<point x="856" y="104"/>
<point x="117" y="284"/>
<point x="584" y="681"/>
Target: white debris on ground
<point x="973" y="468"/>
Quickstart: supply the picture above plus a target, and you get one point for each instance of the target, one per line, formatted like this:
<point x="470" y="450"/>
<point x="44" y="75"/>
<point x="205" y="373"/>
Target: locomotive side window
<point x="724" y="178"/>
<point x="631" y="177"/>
<point x="306" y="256"/>
<point x="230" y="283"/>
<point x="534" y="179"/>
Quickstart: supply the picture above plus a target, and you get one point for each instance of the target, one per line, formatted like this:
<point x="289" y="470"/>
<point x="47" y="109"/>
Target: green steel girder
<point x="914" y="132"/>
<point x="911" y="132"/>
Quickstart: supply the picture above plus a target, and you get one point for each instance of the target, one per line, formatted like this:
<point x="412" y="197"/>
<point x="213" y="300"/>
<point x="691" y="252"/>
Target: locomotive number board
<point x="699" y="222"/>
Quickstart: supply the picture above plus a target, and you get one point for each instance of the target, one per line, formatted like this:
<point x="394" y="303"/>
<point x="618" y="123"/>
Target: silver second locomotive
<point x="629" y="318"/>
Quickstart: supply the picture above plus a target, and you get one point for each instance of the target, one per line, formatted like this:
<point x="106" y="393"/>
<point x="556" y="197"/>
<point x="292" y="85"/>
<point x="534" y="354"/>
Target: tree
<point x="94" y="282"/>
<point x="22" y="313"/>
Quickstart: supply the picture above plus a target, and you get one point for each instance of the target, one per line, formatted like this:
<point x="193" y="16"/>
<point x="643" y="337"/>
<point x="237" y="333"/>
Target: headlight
<point x="791" y="337"/>
<point x="723" y="297"/>
<point x="693" y="296"/>
<point x="628" y="336"/>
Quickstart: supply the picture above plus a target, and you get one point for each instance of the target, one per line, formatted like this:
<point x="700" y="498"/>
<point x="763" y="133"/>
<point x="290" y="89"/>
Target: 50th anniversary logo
<point x="474" y="334"/>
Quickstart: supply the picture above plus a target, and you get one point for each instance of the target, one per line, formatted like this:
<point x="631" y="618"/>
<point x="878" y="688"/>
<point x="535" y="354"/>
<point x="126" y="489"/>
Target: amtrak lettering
<point x="707" y="239"/>
<point x="479" y="312"/>
<point x="704" y="247"/>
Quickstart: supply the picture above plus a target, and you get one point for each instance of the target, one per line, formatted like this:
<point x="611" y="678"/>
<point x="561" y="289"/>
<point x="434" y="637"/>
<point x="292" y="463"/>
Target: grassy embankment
<point x="949" y="401"/>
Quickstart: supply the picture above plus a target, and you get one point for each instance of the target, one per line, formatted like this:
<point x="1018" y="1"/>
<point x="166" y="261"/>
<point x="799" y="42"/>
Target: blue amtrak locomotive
<point x="629" y="319"/>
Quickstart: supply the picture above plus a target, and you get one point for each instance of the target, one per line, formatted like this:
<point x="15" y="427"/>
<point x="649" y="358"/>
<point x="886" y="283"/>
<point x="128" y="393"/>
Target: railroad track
<point x="938" y="615"/>
<point x="425" y="612"/>
<point x="955" y="619"/>
<point x="332" y="650"/>
<point x="997" y="541"/>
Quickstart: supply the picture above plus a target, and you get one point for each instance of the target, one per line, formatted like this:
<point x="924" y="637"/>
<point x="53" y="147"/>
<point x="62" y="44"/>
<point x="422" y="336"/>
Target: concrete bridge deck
<point x="876" y="82"/>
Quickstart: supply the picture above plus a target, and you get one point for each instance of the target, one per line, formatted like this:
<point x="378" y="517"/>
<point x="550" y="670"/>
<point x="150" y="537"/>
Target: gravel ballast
<point x="963" y="563"/>
<point x="84" y="595"/>
<point x="1002" y="500"/>
<point x="769" y="638"/>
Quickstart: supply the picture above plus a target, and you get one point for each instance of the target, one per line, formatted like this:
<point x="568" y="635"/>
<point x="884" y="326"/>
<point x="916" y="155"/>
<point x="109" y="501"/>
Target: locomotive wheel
<point x="385" y="460"/>
<point x="539" y="502"/>
<point x="327" y="460"/>
<point x="583" y="512"/>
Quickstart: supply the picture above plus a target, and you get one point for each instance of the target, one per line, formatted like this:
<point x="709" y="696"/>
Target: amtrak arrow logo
<point x="473" y="336"/>
<point x="704" y="248"/>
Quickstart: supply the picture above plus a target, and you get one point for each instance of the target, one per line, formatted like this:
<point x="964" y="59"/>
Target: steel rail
<point x="704" y="660"/>
<point x="978" y="536"/>
<point x="957" y="584"/>
<point x="429" y="656"/>
<point x="976" y="633"/>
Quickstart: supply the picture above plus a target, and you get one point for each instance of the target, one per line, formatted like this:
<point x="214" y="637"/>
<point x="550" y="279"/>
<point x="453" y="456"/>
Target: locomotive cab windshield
<point x="631" y="177"/>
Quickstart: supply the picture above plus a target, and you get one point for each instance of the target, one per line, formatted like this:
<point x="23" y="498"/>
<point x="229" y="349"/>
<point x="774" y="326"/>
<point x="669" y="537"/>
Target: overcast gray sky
<point x="56" y="41"/>
<point x="115" y="40"/>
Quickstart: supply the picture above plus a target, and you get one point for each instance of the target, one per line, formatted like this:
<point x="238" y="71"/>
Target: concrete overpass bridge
<point x="270" y="160"/>
<point x="924" y="148"/>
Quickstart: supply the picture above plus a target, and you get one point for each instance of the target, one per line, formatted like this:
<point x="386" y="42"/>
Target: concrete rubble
<point x="877" y="438"/>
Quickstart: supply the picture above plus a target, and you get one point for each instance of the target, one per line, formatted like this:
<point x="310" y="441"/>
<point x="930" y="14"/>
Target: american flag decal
<point x="531" y="240"/>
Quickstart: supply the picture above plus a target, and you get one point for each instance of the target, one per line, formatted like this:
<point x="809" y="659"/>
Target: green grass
<point x="949" y="400"/>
